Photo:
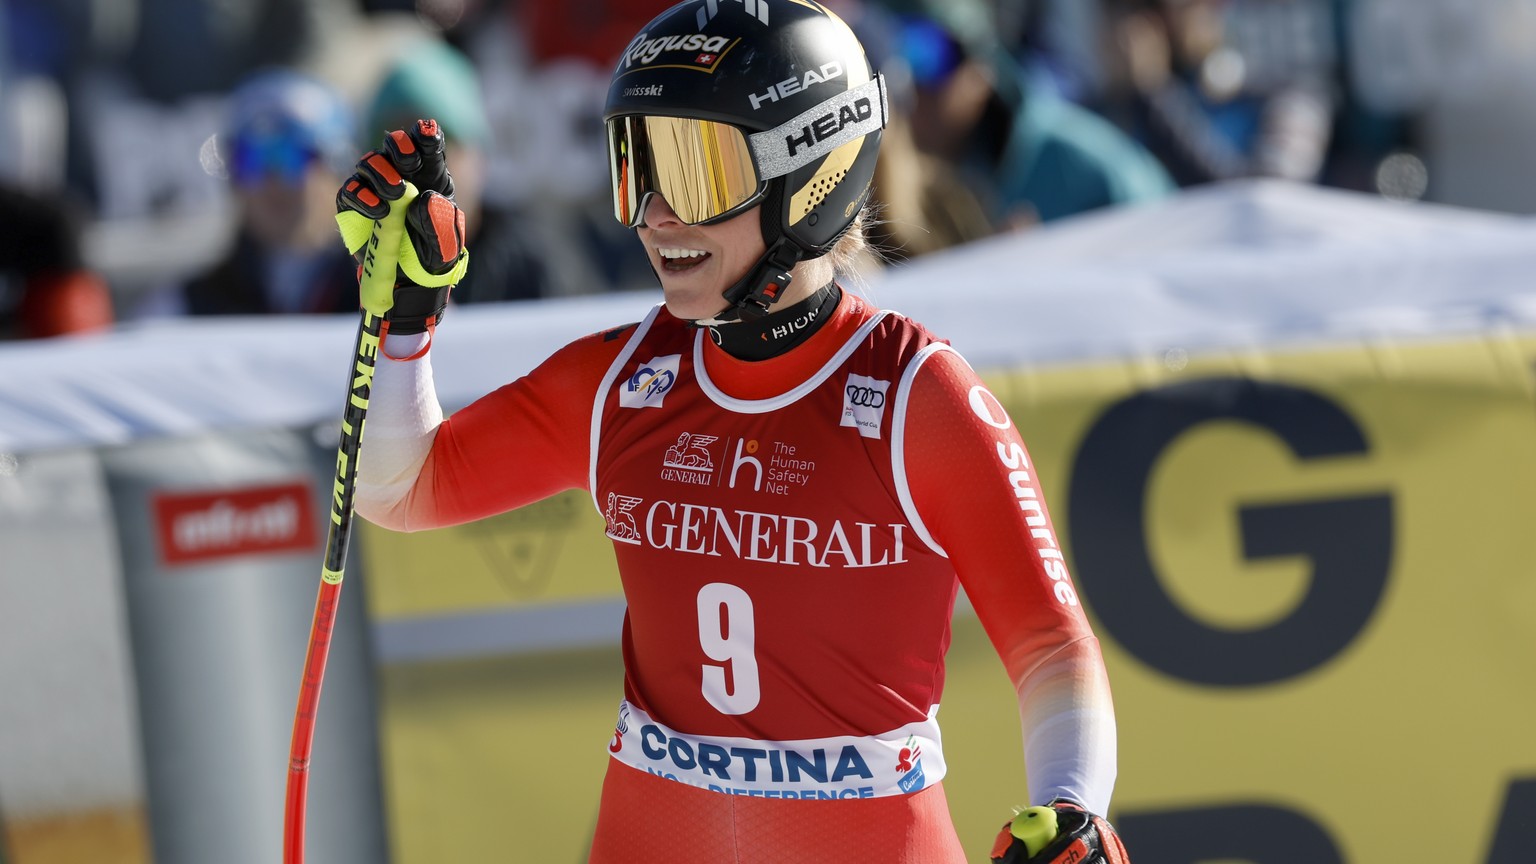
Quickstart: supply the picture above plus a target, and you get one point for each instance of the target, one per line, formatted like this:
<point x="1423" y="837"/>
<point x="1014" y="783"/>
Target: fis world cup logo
<point x="711" y="8"/>
<point x="649" y="384"/>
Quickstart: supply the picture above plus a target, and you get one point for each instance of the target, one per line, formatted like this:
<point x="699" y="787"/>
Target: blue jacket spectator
<point x="287" y="147"/>
<point x="1028" y="154"/>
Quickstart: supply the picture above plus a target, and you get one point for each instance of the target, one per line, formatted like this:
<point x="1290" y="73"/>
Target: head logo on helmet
<point x="789" y="86"/>
<point x="790" y="95"/>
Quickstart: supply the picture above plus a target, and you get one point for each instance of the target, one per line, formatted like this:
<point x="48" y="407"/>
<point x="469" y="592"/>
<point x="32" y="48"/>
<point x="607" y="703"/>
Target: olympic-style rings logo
<point x="865" y="397"/>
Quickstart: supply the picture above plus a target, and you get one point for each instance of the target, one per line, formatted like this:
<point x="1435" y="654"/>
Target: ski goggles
<point x="703" y="168"/>
<point x="709" y="170"/>
<point x="258" y="156"/>
<point x="932" y="54"/>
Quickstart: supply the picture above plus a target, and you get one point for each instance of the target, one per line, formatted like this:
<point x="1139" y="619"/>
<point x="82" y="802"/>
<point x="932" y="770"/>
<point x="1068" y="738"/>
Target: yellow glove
<point x="401" y="198"/>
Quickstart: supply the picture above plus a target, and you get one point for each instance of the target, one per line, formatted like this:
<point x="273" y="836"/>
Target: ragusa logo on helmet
<point x="644" y="52"/>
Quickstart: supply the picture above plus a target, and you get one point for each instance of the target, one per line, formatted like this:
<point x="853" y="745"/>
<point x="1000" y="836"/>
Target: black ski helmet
<point x="793" y="78"/>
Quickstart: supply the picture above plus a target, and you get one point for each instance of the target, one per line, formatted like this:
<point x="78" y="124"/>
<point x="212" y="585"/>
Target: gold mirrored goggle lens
<point x="704" y="169"/>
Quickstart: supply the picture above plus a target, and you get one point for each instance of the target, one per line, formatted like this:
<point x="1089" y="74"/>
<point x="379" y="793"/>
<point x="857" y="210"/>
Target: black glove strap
<point x="417" y="310"/>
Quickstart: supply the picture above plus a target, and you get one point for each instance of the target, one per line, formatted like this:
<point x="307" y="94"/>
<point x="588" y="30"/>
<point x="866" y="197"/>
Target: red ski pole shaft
<point x="337" y="541"/>
<point x="376" y="285"/>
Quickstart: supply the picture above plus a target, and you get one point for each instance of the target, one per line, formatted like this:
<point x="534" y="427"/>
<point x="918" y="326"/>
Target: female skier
<point x="795" y="483"/>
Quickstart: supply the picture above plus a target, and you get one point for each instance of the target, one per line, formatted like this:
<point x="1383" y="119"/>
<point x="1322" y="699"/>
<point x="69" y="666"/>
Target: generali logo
<point x="195" y="527"/>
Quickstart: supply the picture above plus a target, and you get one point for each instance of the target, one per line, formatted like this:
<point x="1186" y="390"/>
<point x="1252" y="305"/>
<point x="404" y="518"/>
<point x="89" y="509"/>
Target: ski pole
<point x="376" y="280"/>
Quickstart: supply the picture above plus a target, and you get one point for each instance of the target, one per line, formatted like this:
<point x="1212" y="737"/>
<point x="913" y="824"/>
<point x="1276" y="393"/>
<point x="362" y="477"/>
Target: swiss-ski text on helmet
<point x="791" y="86"/>
<point x="830" y="124"/>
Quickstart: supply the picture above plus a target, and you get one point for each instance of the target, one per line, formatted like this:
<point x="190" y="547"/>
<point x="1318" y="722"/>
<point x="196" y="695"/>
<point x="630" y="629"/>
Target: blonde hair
<point x="853" y="256"/>
<point x="850" y="259"/>
<point x="845" y="253"/>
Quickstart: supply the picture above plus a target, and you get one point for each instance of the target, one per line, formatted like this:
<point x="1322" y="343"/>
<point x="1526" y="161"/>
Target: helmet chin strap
<point x="762" y="286"/>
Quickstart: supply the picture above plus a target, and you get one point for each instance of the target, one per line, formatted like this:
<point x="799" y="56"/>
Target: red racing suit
<point x="789" y="533"/>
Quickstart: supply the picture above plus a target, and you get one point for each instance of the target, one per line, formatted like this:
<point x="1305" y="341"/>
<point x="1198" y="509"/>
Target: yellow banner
<point x="552" y="551"/>
<point x="1310" y="571"/>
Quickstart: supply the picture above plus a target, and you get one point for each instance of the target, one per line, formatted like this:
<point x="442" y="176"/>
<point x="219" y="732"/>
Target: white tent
<point x="1243" y="264"/>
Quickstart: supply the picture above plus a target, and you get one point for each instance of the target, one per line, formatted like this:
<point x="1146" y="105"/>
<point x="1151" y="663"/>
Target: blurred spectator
<point x="288" y="144"/>
<point x="435" y="80"/>
<point x="1057" y="43"/>
<point x="45" y="288"/>
<point x="544" y="69"/>
<point x="1219" y="90"/>
<point x="596" y="32"/>
<point x="181" y="48"/>
<point x="920" y="203"/>
<point x="1378" y="142"/>
<point x="35" y="46"/>
<point x="1027" y="154"/>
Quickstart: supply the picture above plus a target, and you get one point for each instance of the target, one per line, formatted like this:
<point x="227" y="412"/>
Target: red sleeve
<point x="977" y="493"/>
<point x="521" y="443"/>
<point x="976" y="490"/>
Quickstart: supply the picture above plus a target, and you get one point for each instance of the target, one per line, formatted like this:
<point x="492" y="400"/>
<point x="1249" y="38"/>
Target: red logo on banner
<point x="204" y="526"/>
